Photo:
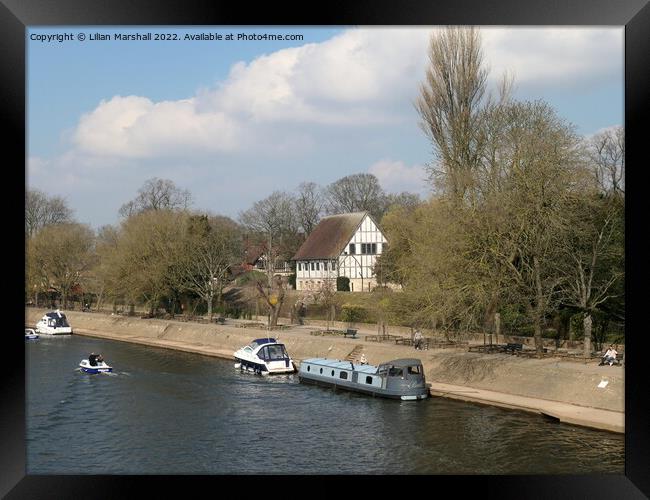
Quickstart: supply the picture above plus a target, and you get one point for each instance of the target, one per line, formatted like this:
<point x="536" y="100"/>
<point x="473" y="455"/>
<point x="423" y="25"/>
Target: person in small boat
<point x="100" y="358"/>
<point x="363" y="359"/>
<point x="92" y="359"/>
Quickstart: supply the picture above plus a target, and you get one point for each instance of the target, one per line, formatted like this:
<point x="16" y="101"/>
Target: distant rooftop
<point x="328" y="239"/>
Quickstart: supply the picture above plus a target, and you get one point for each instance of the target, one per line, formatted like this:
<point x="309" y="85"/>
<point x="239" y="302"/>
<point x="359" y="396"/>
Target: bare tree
<point x="157" y="194"/>
<point x="309" y="205"/>
<point x="356" y="193"/>
<point x="594" y="256"/>
<point x="607" y="153"/>
<point x="450" y="104"/>
<point x="273" y="219"/>
<point x="211" y="245"/>
<point x="60" y="256"/>
<point x="41" y="211"/>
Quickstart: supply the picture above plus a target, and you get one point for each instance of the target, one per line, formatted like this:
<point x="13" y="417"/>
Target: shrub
<point x="352" y="313"/>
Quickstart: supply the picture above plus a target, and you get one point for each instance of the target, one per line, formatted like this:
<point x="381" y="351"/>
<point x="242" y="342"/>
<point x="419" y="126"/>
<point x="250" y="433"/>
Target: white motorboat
<point x="30" y="334"/>
<point x="54" y="323"/>
<point x="264" y="356"/>
<point x="94" y="364"/>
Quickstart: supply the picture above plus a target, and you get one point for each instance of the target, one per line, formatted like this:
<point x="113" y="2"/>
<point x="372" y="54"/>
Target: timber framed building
<point x="340" y="245"/>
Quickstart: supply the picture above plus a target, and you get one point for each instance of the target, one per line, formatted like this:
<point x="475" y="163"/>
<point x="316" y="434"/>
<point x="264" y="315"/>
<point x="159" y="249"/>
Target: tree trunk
<point x="538" y="336"/>
<point x="587" y="323"/>
<point x="497" y="327"/>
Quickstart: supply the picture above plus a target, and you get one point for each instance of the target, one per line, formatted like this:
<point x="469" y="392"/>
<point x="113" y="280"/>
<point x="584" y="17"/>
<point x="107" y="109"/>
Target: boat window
<point x="414" y="370"/>
<point x="276" y="352"/>
<point x="308" y="368"/>
<point x="332" y="373"/>
<point x="321" y="370"/>
<point x="344" y="375"/>
<point x="368" y="380"/>
<point x="263" y="353"/>
<point x="395" y="372"/>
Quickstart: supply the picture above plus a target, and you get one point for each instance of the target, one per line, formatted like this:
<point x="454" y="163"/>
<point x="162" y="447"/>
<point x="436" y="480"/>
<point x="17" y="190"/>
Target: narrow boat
<point x="30" y="334"/>
<point x="94" y="364"/>
<point x="264" y="356"/>
<point x="397" y="379"/>
<point x="54" y="323"/>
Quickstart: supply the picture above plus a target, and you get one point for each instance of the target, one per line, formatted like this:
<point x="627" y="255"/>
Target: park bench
<point x="221" y="320"/>
<point x="350" y="332"/>
<point x="513" y="347"/>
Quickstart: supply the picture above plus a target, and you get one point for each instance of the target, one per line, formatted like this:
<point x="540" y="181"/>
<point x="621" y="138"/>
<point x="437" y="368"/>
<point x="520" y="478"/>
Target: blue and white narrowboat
<point x="264" y="356"/>
<point x="397" y="379"/>
<point x="54" y="323"/>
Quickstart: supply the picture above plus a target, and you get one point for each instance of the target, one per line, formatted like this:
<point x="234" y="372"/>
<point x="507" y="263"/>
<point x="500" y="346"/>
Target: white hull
<point x="54" y="323"/>
<point x="54" y="331"/>
<point x="100" y="367"/>
<point x="264" y="356"/>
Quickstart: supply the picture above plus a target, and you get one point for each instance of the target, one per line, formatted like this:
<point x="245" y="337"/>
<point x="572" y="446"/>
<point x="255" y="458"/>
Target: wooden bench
<point x="513" y="347"/>
<point x="350" y="332"/>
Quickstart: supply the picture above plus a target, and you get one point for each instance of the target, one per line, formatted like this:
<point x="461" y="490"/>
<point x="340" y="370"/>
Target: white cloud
<point x="554" y="56"/>
<point x="396" y="176"/>
<point x="361" y="77"/>
<point x="134" y="126"/>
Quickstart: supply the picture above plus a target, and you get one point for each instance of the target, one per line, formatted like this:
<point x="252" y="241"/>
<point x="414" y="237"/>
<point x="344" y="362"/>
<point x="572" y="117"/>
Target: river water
<point x="167" y="412"/>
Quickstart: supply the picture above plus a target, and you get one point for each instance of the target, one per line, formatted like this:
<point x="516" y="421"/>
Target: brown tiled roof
<point x="329" y="238"/>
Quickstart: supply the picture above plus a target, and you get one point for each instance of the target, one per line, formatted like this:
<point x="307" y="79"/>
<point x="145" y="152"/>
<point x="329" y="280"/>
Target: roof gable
<point x="329" y="238"/>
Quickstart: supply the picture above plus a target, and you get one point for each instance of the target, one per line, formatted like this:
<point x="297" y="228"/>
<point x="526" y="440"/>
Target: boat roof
<point x="265" y="340"/>
<point x="403" y="362"/>
<point x="342" y="365"/>
<point x="55" y="314"/>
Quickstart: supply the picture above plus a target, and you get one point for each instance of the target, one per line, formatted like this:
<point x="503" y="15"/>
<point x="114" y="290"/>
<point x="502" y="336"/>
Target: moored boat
<point x="30" y="334"/>
<point x="54" y="323"/>
<point x="264" y="356"/>
<point x="398" y="379"/>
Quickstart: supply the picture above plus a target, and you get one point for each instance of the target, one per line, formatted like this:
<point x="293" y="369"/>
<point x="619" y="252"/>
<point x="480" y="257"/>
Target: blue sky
<point x="232" y="121"/>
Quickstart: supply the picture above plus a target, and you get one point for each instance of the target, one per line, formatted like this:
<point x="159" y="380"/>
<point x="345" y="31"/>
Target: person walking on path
<point x="417" y="340"/>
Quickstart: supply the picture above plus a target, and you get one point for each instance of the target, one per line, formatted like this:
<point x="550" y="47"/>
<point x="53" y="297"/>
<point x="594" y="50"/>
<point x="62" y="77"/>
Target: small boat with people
<point x="30" y="334"/>
<point x="264" y="356"/>
<point x="398" y="379"/>
<point x="95" y="364"/>
<point x="54" y="323"/>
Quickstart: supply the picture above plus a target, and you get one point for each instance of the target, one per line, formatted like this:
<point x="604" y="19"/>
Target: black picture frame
<point x="17" y="15"/>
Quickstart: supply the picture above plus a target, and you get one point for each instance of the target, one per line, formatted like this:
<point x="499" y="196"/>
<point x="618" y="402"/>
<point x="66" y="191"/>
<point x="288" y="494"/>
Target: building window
<point x="352" y="249"/>
<point x="368" y="248"/>
<point x="333" y="266"/>
<point x="317" y="266"/>
<point x="312" y="266"/>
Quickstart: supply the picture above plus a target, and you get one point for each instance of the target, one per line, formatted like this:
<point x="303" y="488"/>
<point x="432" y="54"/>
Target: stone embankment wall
<point x="549" y="378"/>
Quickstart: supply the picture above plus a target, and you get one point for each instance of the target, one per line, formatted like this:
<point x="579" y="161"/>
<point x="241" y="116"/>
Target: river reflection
<point x="166" y="412"/>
